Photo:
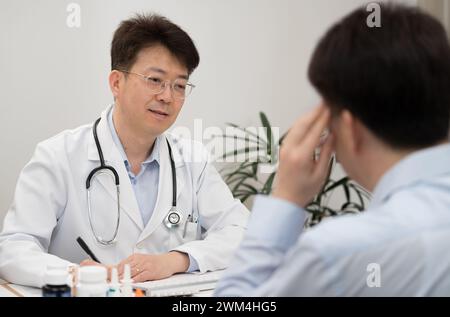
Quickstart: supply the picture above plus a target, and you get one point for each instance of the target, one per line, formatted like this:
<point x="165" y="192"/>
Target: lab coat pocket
<point x="184" y="233"/>
<point x="190" y="231"/>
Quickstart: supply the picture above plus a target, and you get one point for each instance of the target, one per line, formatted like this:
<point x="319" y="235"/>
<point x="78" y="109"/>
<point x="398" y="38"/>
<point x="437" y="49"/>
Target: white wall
<point x="439" y="8"/>
<point x="254" y="56"/>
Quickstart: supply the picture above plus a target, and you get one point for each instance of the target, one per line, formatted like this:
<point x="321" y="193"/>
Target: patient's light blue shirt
<point x="398" y="247"/>
<point x="145" y="184"/>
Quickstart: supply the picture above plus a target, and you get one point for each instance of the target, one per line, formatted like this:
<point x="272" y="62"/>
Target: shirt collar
<point x="419" y="166"/>
<point x="154" y="155"/>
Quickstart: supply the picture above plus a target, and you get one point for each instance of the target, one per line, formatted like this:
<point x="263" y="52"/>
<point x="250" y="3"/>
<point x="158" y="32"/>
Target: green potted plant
<point x="246" y="180"/>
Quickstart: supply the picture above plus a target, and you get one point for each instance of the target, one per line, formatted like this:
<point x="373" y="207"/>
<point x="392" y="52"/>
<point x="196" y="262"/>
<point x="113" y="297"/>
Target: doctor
<point x="171" y="212"/>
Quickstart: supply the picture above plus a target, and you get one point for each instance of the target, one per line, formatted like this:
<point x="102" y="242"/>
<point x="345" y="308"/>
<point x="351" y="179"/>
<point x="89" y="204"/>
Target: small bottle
<point x="92" y="282"/>
<point x="139" y="293"/>
<point x="114" y="286"/>
<point x="56" y="282"/>
<point x="127" y="290"/>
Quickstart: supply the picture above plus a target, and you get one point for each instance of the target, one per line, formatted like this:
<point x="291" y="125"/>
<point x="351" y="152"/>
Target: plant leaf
<point x="240" y="151"/>
<point x="245" y="198"/>
<point x="267" y="189"/>
<point x="238" y="184"/>
<point x="351" y="205"/>
<point x="238" y="171"/>
<point x="235" y="137"/>
<point x="258" y="138"/>
<point x="280" y="141"/>
<point x="346" y="191"/>
<point x="269" y="135"/>
<point x="239" y="178"/>
<point x="250" y="187"/>
<point x="340" y="182"/>
<point x="361" y="200"/>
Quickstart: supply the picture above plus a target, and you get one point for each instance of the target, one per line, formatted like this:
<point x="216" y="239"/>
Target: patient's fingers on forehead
<point x="303" y="124"/>
<point x="325" y="156"/>
<point x="312" y="139"/>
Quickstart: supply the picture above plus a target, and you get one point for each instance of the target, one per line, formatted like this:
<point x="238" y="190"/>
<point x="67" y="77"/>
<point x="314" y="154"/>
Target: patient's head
<point x="388" y="87"/>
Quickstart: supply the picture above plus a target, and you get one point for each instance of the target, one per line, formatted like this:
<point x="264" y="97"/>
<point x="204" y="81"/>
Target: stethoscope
<point x="173" y="218"/>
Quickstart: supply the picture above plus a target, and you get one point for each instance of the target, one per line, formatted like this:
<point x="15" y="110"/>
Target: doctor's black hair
<point x="146" y="30"/>
<point x="394" y="78"/>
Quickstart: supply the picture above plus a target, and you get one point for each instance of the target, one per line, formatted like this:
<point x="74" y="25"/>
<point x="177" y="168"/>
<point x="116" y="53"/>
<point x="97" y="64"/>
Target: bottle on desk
<point x="114" y="285"/>
<point x="127" y="289"/>
<point x="56" y="282"/>
<point x="92" y="282"/>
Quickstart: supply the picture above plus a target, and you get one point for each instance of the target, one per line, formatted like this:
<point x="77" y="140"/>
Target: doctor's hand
<point x="148" y="267"/>
<point x="300" y="175"/>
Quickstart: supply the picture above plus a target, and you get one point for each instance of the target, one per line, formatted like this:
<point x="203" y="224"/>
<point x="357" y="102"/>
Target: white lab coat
<point x="50" y="210"/>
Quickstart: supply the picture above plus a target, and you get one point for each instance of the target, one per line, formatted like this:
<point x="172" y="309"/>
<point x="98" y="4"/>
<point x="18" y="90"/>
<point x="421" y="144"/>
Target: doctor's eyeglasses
<point x="181" y="88"/>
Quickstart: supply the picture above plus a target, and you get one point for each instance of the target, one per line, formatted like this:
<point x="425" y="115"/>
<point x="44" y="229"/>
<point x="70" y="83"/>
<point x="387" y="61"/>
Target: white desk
<point x="170" y="286"/>
<point x="5" y="291"/>
<point x="13" y="290"/>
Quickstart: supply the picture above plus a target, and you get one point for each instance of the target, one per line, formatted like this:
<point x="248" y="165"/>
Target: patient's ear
<point x="352" y="131"/>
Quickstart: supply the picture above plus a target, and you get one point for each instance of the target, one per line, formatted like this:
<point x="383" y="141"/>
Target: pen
<point x="86" y="249"/>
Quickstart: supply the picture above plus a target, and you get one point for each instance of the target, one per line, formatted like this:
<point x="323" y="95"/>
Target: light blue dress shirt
<point x="145" y="184"/>
<point x="398" y="247"/>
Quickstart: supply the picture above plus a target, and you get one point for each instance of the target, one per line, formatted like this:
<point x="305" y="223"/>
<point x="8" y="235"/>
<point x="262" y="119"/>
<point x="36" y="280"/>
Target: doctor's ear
<point x="114" y="82"/>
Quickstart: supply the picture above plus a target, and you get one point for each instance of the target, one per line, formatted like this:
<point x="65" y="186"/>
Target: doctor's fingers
<point x="89" y="262"/>
<point x="133" y="273"/>
<point x="301" y="127"/>
<point x="121" y="267"/>
<point x="143" y="277"/>
<point x="152" y="273"/>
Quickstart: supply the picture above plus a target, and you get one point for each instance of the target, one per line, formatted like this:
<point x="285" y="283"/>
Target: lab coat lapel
<point x="113" y="158"/>
<point x="164" y="200"/>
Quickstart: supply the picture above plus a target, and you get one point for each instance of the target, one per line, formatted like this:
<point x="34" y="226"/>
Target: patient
<point x="386" y="98"/>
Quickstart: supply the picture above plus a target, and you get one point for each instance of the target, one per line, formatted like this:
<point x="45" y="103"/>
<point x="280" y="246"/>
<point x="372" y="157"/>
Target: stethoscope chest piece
<point x="173" y="218"/>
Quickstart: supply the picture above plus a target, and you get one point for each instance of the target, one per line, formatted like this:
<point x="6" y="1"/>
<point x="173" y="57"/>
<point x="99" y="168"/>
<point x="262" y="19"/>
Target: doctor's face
<point x="138" y="104"/>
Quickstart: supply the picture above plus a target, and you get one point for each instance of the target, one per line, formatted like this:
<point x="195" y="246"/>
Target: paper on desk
<point x="181" y="284"/>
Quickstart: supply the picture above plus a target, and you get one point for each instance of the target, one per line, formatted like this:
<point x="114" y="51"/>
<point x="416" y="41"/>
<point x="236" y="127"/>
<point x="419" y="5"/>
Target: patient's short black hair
<point x="395" y="78"/>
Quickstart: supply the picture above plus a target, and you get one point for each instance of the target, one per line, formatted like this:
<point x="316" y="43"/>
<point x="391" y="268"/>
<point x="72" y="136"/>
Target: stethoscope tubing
<point x="98" y="170"/>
